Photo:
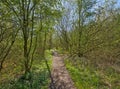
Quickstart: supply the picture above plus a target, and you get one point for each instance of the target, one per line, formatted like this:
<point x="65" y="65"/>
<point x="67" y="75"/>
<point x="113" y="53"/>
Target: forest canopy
<point x="86" y="31"/>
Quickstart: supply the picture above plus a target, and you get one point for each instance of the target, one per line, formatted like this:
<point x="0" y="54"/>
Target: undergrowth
<point x="38" y="78"/>
<point x="88" y="76"/>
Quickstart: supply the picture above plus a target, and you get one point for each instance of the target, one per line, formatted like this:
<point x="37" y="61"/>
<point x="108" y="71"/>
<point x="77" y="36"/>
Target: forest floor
<point x="61" y="77"/>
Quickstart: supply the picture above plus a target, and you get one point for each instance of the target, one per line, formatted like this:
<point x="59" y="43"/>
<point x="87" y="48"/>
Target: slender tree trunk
<point x="80" y="27"/>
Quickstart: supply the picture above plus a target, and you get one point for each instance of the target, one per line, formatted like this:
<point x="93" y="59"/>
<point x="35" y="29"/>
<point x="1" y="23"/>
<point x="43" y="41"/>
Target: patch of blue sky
<point x="118" y="3"/>
<point x="71" y="10"/>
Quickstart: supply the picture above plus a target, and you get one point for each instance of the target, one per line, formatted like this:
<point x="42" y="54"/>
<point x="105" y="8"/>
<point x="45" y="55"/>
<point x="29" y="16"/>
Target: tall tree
<point x="8" y="33"/>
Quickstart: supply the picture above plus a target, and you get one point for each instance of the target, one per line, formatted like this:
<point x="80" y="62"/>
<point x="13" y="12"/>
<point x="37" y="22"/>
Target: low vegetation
<point x="38" y="78"/>
<point x="87" y="31"/>
<point x="93" y="74"/>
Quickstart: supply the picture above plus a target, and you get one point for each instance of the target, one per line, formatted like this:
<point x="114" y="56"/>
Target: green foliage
<point x="27" y="34"/>
<point x="84" y="78"/>
<point x="38" y="78"/>
<point x="91" y="77"/>
<point x="38" y="81"/>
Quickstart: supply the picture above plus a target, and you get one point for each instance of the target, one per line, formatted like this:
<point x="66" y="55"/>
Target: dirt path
<point x="60" y="75"/>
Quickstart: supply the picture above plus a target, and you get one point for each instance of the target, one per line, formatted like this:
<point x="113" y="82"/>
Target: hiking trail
<point x="61" y="77"/>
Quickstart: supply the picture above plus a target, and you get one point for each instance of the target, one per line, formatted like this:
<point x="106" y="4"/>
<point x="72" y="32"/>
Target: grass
<point x="89" y="77"/>
<point x="38" y="77"/>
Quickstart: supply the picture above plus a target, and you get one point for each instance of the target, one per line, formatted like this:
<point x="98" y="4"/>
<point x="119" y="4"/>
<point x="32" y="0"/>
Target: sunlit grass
<point x="88" y="77"/>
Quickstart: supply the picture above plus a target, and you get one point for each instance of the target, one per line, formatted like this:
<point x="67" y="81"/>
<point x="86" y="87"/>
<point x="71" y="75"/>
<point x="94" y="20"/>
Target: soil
<point x="61" y="77"/>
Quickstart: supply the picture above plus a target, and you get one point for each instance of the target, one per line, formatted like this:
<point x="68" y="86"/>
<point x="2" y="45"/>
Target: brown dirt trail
<point x="61" y="77"/>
